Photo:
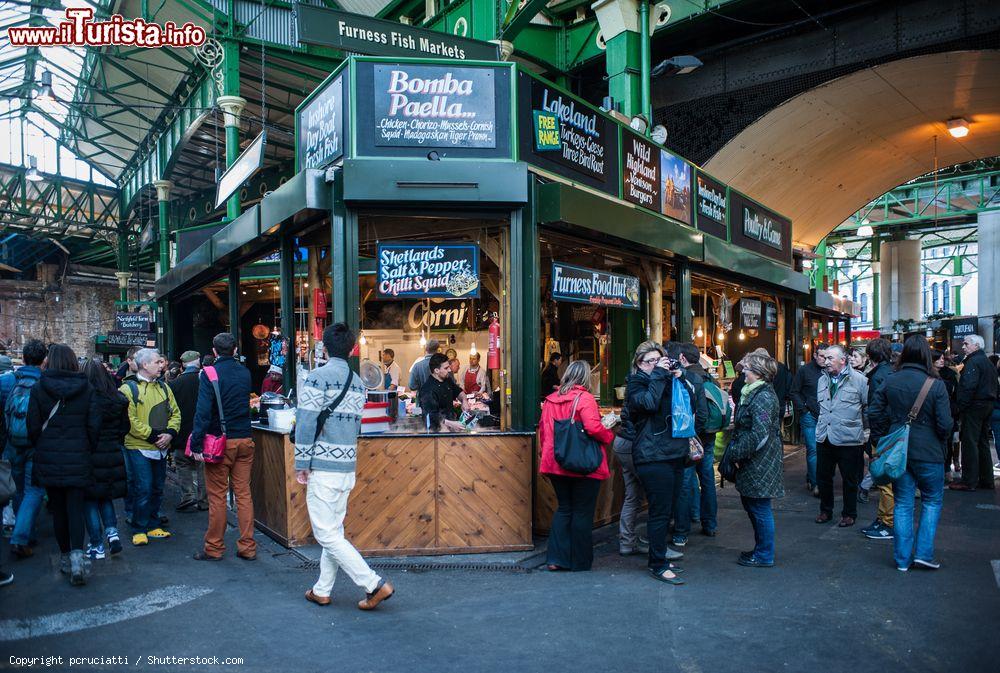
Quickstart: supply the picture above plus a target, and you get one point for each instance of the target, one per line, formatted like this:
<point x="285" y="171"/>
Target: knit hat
<point x="6" y="364"/>
<point x="275" y="369"/>
<point x="187" y="357"/>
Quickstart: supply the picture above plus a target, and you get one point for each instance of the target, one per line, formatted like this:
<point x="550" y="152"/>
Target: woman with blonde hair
<point x="756" y="449"/>
<point x="570" y="534"/>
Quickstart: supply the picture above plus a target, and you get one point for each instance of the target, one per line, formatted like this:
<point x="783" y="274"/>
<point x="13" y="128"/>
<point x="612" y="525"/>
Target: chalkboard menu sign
<point x="132" y="322"/>
<point x="590" y="286"/>
<point x="588" y="141"/>
<point x="408" y="109"/>
<point x="320" y="127"/>
<point x="447" y="270"/>
<point x="130" y="339"/>
<point x="711" y="206"/>
<point x="640" y="171"/>
<point x="750" y="310"/>
<point x="770" y="315"/>
<point x="756" y="228"/>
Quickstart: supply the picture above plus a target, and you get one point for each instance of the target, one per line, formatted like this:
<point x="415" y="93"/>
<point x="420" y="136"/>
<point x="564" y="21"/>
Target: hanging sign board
<point x="359" y="34"/>
<point x="590" y="286"/>
<point x="447" y="270"/>
<point x="963" y="328"/>
<point x="750" y="310"/>
<point x="434" y="106"/>
<point x="130" y="339"/>
<point x="248" y="163"/>
<point x="587" y="150"/>
<point x="759" y="229"/>
<point x="319" y="128"/>
<point x="675" y="187"/>
<point x="131" y="322"/>
<point x="640" y="171"/>
<point x="711" y="206"/>
<point x="770" y="315"/>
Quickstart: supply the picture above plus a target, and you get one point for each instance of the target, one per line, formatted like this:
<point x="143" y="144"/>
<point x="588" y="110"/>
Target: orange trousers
<point x="235" y="467"/>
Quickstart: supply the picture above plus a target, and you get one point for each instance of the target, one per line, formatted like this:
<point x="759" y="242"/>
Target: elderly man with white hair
<point x="977" y="390"/>
<point x="842" y="394"/>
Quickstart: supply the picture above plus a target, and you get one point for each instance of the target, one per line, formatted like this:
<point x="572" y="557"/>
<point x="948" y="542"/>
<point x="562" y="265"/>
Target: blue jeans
<point x="27" y="504"/>
<point x="101" y="519"/>
<point x="808" y="425"/>
<point x="130" y="487"/>
<point x="995" y="426"/>
<point x="697" y="478"/>
<point x="147" y="477"/>
<point x="762" y="520"/>
<point x="929" y="478"/>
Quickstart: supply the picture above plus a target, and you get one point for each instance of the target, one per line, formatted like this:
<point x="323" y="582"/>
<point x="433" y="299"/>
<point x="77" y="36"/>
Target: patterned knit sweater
<point x="335" y="449"/>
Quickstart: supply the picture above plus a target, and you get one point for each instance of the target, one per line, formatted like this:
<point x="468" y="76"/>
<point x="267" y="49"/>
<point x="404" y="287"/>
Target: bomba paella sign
<point x="446" y="270"/>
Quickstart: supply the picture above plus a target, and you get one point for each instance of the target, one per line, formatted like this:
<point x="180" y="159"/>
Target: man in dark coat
<point x="977" y="390"/>
<point x="699" y="477"/>
<point x="879" y="352"/>
<point x="190" y="473"/>
<point x="806" y="405"/>
<point x="550" y="376"/>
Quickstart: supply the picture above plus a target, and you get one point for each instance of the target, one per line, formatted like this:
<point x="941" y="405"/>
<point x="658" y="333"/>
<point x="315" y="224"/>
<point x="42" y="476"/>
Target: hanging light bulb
<point x="806" y="346"/>
<point x="721" y="336"/>
<point x="423" y="339"/>
<point x="742" y="336"/>
<point x="307" y="285"/>
<point x="699" y="333"/>
<point x="472" y="348"/>
<point x="362" y="340"/>
<point x="260" y="290"/>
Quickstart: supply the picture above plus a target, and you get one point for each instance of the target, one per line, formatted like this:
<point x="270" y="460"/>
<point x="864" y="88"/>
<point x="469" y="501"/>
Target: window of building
<point x="946" y="292"/>
<point x="864" y="307"/>
<point x="934" y="297"/>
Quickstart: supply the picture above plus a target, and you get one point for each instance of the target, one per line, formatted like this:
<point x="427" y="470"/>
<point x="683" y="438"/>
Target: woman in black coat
<point x="942" y="362"/>
<point x="63" y="423"/>
<point x="657" y="455"/>
<point x="108" y="461"/>
<point x="925" y="453"/>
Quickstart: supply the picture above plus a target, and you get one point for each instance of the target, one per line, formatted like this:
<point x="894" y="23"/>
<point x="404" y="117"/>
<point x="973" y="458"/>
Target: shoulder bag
<point x="214" y="446"/>
<point x="889" y="460"/>
<point x="574" y="449"/>
<point x="325" y="414"/>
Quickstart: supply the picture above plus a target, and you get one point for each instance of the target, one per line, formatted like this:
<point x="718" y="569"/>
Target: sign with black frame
<point x="412" y="109"/>
<point x="756" y="228"/>
<point x="640" y="171"/>
<point x="319" y="128"/>
<point x="591" y="286"/>
<point x="750" y="310"/>
<point x="711" y="206"/>
<point x="770" y="315"/>
<point x="420" y="269"/>
<point x="130" y="339"/>
<point x="360" y="34"/>
<point x="588" y="141"/>
<point x="131" y="322"/>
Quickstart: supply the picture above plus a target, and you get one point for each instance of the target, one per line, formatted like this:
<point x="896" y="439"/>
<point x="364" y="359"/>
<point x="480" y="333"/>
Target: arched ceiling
<point x="824" y="154"/>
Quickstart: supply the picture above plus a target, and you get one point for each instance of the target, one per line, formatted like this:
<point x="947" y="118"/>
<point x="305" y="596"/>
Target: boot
<point x="77" y="575"/>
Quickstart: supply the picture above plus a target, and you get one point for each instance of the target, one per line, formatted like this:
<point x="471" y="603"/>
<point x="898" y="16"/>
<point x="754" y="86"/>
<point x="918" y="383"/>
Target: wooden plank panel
<point x="267" y="484"/>
<point x="609" y="499"/>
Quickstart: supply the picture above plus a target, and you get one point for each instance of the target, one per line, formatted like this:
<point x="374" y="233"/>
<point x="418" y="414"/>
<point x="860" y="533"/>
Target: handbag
<point x="213" y="448"/>
<point x="696" y="451"/>
<point x="682" y="417"/>
<point x="574" y="449"/>
<point x="889" y="459"/>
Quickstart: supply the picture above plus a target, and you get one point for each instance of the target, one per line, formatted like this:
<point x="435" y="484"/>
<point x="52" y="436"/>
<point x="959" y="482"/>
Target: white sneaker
<point x="930" y="565"/>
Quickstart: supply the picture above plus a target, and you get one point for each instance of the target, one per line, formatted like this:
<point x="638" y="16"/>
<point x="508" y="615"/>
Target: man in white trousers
<point x="327" y="422"/>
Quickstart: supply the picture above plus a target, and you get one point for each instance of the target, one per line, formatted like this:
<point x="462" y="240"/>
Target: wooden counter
<point x="609" y="499"/>
<point x="415" y="494"/>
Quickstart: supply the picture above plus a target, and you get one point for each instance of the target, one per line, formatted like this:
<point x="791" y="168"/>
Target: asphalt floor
<point x="833" y="602"/>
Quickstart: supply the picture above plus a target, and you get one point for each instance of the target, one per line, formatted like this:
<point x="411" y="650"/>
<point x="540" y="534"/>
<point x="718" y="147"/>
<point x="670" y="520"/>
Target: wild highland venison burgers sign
<point x="756" y="228"/>
<point x="640" y="172"/>
<point x="587" y="149"/>
<point x="446" y="270"/>
<point x="750" y="310"/>
<point x="321" y="127"/>
<point x="711" y="206"/>
<point x="590" y="286"/>
<point x="434" y="106"/>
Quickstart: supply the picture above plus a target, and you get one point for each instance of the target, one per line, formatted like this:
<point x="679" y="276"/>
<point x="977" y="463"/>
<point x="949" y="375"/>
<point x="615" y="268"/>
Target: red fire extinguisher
<point x="493" y="354"/>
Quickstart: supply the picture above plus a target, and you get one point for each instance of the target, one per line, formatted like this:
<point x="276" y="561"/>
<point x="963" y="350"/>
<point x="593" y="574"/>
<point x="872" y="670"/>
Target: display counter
<point x="609" y="498"/>
<point x="416" y="493"/>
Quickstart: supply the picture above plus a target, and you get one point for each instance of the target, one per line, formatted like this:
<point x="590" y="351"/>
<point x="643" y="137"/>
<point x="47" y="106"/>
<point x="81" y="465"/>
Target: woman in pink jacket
<point x="570" y="543"/>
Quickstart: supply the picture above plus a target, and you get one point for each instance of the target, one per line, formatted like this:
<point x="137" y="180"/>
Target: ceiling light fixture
<point x="866" y="231"/>
<point x="32" y="173"/>
<point x="45" y="91"/>
<point x="958" y="127"/>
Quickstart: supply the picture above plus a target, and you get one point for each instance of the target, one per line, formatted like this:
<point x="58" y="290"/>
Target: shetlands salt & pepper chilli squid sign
<point x="447" y="270"/>
<point x="434" y="106"/>
<point x="590" y="286"/>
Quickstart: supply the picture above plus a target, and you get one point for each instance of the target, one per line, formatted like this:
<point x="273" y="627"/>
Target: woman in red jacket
<point x="570" y="542"/>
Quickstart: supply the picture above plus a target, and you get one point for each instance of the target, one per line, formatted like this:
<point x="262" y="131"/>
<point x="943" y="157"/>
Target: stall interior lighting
<point x="423" y="340"/>
<point x="362" y="339"/>
<point x="805" y="346"/>
<point x="742" y="336"/>
<point x="699" y="333"/>
<point x="721" y="336"/>
<point x="472" y="348"/>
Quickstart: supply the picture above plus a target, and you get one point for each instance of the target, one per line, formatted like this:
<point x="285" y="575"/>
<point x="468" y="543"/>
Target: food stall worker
<point x="474" y="381"/>
<point x="550" y="375"/>
<point x="438" y="395"/>
<point x="390" y="369"/>
<point x="274" y="381"/>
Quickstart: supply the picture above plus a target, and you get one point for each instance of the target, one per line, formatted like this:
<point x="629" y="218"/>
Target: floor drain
<point x="422" y="567"/>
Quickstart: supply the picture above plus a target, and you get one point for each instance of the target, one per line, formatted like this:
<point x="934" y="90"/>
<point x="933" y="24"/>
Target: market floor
<point x="833" y="602"/>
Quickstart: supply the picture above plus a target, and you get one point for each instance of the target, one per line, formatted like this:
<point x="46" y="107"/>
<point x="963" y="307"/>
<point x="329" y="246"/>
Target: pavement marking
<point x="986" y="506"/>
<point x="101" y="615"/>
<point x="996" y="571"/>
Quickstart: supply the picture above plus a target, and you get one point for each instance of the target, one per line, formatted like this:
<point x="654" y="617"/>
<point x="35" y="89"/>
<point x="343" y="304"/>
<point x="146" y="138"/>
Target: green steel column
<point x="876" y="282"/>
<point x="622" y="60"/>
<point x="525" y="346"/>
<point x="286" y="294"/>
<point x="683" y="285"/>
<point x="819" y="278"/>
<point x="346" y="297"/>
<point x="234" y="303"/>
<point x="957" y="272"/>
<point x="123" y="272"/>
<point x="163" y="188"/>
<point x="644" y="64"/>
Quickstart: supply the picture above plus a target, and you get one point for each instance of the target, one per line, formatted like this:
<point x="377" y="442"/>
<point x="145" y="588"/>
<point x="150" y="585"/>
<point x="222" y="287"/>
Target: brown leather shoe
<point x="960" y="486"/>
<point x="22" y="551"/>
<point x="823" y="518"/>
<point x="383" y="592"/>
<point x="318" y="600"/>
<point x="247" y="557"/>
<point x="846" y="522"/>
